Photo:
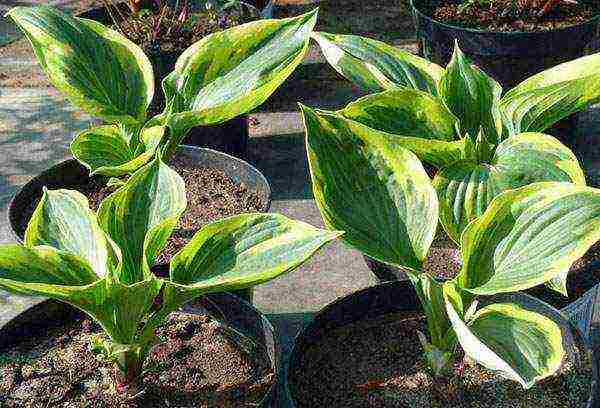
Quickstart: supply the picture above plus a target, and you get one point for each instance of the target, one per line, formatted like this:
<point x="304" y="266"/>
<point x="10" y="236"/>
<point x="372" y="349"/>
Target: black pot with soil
<point x="217" y="186"/>
<point x="218" y="351"/>
<point x="513" y="50"/>
<point x="443" y="262"/>
<point x="362" y="351"/>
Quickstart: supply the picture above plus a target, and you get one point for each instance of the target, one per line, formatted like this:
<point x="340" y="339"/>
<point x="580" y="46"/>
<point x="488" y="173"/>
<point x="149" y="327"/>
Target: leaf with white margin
<point x="529" y="236"/>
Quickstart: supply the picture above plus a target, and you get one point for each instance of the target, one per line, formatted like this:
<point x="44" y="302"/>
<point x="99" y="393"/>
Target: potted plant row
<point x="475" y="140"/>
<point x="156" y="346"/>
<point x="221" y="76"/>
<point x="470" y="341"/>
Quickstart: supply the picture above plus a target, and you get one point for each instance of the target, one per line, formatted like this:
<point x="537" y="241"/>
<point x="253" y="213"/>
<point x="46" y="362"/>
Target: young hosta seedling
<point x="100" y="263"/>
<point x="367" y="184"/>
<point x="222" y="76"/>
<point x="457" y="119"/>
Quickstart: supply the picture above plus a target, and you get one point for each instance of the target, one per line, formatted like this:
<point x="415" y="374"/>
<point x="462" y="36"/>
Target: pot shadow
<point x="282" y="159"/>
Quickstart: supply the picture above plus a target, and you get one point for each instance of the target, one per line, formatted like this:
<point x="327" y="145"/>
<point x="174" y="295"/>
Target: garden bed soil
<point x="502" y="15"/>
<point x="379" y="363"/>
<point x="198" y="364"/>
<point x="211" y="195"/>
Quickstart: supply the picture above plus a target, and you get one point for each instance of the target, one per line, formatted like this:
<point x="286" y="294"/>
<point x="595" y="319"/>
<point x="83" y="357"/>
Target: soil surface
<point x="211" y="195"/>
<point x="379" y="363"/>
<point x="198" y="364"/>
<point x="508" y="15"/>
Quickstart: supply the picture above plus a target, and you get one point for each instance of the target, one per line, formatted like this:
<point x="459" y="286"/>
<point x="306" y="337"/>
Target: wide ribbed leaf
<point x="543" y="99"/>
<point x="421" y="122"/>
<point x="63" y="220"/>
<point x="512" y="339"/>
<point x="472" y="96"/>
<point x="465" y="188"/>
<point x="231" y="72"/>
<point x="141" y="215"/>
<point x="98" y="70"/>
<point x="243" y="251"/>
<point x="367" y="185"/>
<point x="529" y="236"/>
<point x="42" y="271"/>
<point x="374" y="65"/>
<point x="106" y="150"/>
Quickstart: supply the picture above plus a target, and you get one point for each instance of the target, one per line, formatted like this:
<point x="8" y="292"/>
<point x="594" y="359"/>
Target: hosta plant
<point x="223" y="75"/>
<point x="378" y="192"/>
<point x="457" y="119"/>
<point x="100" y="263"/>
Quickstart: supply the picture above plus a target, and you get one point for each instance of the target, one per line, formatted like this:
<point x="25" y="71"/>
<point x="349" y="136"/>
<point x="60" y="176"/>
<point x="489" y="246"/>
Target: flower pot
<point x="584" y="275"/>
<point x="71" y="174"/>
<point x="234" y="315"/>
<point x="509" y="57"/>
<point x="388" y="302"/>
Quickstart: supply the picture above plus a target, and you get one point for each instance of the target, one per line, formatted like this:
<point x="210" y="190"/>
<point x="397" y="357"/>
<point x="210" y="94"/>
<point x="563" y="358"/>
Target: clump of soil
<point x="379" y="363"/>
<point x="510" y="15"/>
<point x="196" y="365"/>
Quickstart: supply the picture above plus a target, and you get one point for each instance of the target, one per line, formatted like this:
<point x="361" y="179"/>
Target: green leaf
<point x="465" y="189"/>
<point x="420" y="121"/>
<point x="243" y="251"/>
<point x="105" y="150"/>
<point x="366" y="184"/>
<point x="472" y="96"/>
<point x="141" y="215"/>
<point x="63" y="220"/>
<point x="529" y="236"/>
<point x="375" y="66"/>
<point x="43" y="271"/>
<point x="545" y="98"/>
<point x="231" y="72"/>
<point x="97" y="69"/>
<point x="512" y="339"/>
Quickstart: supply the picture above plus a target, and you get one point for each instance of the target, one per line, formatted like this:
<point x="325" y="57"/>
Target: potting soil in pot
<point x="199" y="364"/>
<point x="211" y="195"/>
<point x="379" y="363"/>
<point x="508" y="15"/>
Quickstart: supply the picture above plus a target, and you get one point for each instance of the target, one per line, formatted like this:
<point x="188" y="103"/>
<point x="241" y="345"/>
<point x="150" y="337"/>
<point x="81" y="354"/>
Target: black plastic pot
<point x="70" y="174"/>
<point x="229" y="310"/>
<point x="579" y="282"/>
<point x="509" y="57"/>
<point x="377" y="301"/>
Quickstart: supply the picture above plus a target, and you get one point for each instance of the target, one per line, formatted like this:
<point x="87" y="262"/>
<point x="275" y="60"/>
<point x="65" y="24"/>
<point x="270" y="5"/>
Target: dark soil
<point x="211" y="195"/>
<point x="196" y="365"/>
<point x="508" y="15"/>
<point x="378" y="363"/>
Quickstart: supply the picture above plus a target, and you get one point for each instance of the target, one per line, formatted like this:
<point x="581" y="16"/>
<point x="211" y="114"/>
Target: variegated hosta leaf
<point x="97" y="69"/>
<point x="465" y="189"/>
<point x="243" y="251"/>
<point x="516" y="341"/>
<point x="472" y="96"/>
<point x="231" y="72"/>
<point x="421" y="122"/>
<point x="43" y="271"/>
<point x="106" y="150"/>
<point x="545" y="98"/>
<point x="374" y="65"/>
<point x="63" y="220"/>
<point x="529" y="236"/>
<point x="366" y="184"/>
<point x="141" y="215"/>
